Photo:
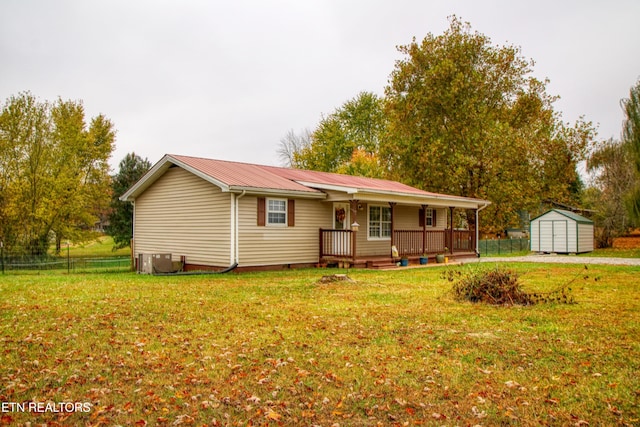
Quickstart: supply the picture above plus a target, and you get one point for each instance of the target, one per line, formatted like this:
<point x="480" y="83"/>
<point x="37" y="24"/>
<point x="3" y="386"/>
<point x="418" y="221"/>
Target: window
<point x="379" y="222"/>
<point x="428" y="217"/>
<point x="276" y="212"/>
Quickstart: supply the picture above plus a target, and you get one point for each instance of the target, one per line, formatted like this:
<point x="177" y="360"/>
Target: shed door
<point x="560" y="236"/>
<point x="553" y="236"/>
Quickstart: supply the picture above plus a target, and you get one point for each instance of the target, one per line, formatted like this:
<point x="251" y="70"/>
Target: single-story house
<point x="561" y="231"/>
<point x="213" y="214"/>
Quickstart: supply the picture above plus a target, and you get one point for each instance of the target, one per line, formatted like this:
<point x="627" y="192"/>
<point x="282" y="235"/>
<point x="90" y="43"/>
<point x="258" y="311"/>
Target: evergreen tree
<point x="120" y="227"/>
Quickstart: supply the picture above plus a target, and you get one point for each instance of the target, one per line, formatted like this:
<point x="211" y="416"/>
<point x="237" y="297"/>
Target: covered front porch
<point x="403" y="231"/>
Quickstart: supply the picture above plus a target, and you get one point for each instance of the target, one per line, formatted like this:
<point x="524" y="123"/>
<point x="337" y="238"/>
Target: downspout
<point x="478" y="229"/>
<point x="134" y="258"/>
<point x="236" y="232"/>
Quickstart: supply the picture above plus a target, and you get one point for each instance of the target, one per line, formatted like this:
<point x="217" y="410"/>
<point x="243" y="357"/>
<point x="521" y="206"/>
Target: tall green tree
<point x="348" y="140"/>
<point x="631" y="138"/>
<point x="120" y="227"/>
<point x="466" y="117"/>
<point x="53" y="171"/>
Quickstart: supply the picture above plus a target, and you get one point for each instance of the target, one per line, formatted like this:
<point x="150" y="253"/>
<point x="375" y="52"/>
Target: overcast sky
<point x="228" y="79"/>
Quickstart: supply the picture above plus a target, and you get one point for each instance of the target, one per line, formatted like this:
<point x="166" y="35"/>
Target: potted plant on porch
<point x="440" y="257"/>
<point x="424" y="259"/>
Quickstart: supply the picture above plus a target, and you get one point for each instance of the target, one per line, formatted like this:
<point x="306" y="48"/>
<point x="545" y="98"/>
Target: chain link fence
<point x="77" y="261"/>
<point x="503" y="246"/>
<point x="89" y="258"/>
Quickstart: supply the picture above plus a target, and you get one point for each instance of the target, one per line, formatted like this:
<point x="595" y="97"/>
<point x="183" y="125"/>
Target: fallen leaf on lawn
<point x="273" y="415"/>
<point x="400" y="402"/>
<point x="478" y="413"/>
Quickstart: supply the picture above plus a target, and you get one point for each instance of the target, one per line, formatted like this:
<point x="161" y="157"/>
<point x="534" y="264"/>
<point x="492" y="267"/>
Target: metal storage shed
<point x="561" y="231"/>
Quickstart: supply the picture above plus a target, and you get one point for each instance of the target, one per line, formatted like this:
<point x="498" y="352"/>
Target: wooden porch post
<point x="353" y="205"/>
<point x="424" y="228"/>
<point x="393" y="227"/>
<point x="474" y="232"/>
<point x="451" y="208"/>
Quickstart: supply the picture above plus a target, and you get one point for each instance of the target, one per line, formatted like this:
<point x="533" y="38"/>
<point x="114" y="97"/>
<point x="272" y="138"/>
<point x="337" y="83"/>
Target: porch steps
<point x="382" y="264"/>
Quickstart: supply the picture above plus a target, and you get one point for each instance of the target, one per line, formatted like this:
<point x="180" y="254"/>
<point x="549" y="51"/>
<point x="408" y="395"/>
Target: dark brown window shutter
<point x="262" y="211"/>
<point x="433" y="218"/>
<point x="291" y="212"/>
<point x="421" y="217"/>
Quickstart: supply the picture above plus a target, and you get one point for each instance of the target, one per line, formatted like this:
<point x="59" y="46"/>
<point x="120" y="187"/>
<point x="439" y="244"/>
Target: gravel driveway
<point x="561" y="259"/>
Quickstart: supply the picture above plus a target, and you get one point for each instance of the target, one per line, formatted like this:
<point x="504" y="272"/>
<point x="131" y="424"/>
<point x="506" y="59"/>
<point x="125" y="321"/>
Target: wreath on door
<point x="341" y="214"/>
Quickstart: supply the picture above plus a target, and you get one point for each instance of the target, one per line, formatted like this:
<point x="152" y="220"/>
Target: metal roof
<point x="237" y="176"/>
<point x="245" y="175"/>
<point x="571" y="215"/>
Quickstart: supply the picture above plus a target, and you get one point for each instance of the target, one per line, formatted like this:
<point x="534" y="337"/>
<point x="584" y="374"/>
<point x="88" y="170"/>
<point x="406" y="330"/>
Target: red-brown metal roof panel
<point x="241" y="174"/>
<point x="286" y="179"/>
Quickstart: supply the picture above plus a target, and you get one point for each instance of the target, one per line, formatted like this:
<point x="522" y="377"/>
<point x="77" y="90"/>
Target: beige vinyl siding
<point x="406" y="218"/>
<point x="364" y="245"/>
<point x="441" y="218"/>
<point x="281" y="244"/>
<point x="183" y="214"/>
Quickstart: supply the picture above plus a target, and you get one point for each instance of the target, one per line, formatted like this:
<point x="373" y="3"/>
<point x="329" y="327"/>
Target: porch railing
<point x="336" y="243"/>
<point x="417" y="242"/>
<point x="340" y="243"/>
<point x="464" y="241"/>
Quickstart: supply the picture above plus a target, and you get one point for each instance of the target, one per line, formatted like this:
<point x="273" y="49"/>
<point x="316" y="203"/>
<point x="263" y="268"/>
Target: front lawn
<point x="279" y="348"/>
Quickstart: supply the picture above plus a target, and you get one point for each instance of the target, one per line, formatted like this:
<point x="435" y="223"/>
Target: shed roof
<point x="571" y="215"/>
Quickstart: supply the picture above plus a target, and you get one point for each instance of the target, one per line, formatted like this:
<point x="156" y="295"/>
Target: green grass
<point x="393" y="348"/>
<point x="614" y="252"/>
<point x="101" y="247"/>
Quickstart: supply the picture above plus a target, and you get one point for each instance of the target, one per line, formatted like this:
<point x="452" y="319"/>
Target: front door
<point x="341" y="216"/>
<point x="341" y="241"/>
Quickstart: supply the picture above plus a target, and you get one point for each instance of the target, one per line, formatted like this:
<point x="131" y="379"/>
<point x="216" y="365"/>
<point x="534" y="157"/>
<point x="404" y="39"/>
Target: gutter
<point x="277" y="192"/>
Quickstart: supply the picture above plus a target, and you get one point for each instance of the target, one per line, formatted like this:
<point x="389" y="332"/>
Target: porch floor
<point x="388" y="263"/>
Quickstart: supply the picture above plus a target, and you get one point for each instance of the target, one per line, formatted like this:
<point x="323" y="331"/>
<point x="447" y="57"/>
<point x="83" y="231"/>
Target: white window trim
<point x="376" y="238"/>
<point x="286" y="213"/>
<point x="430" y="217"/>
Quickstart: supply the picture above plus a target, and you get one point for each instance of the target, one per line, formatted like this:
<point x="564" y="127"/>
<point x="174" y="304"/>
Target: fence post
<point x="2" y="255"/>
<point x="68" y="259"/>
